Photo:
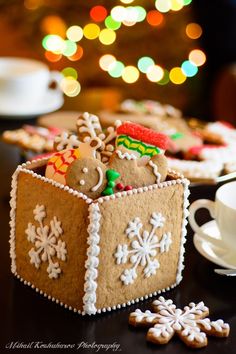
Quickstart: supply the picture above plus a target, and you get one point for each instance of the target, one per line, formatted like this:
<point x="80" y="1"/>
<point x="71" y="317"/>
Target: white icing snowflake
<point x="89" y="124"/>
<point x="143" y="249"/>
<point x="47" y="244"/>
<point x="66" y="141"/>
<point x="190" y="324"/>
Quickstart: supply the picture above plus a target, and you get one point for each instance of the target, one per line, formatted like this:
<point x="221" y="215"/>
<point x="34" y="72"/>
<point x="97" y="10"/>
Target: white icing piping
<point x="100" y="180"/>
<point x="12" y="222"/>
<point x="183" y="231"/>
<point x="102" y="310"/>
<point x="155" y="171"/>
<point x="126" y="155"/>
<point x="91" y="264"/>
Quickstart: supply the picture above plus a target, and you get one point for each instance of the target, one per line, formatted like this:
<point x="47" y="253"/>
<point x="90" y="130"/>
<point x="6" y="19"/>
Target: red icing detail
<point x="128" y="188"/>
<point x="227" y="124"/>
<point x="196" y="150"/>
<point x="120" y="186"/>
<point x="143" y="134"/>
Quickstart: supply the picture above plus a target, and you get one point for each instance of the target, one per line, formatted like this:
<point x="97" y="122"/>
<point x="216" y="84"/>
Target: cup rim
<point x="40" y="66"/>
<point x="219" y="191"/>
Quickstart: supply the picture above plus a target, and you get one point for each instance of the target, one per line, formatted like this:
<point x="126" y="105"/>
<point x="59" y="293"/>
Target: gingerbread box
<point x="93" y="256"/>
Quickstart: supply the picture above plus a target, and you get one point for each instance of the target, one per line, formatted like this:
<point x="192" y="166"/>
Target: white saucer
<point x="52" y="100"/>
<point x="220" y="256"/>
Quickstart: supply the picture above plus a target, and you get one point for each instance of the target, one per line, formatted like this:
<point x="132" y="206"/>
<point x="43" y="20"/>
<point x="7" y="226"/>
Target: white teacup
<point x="24" y="81"/>
<point x="223" y="210"/>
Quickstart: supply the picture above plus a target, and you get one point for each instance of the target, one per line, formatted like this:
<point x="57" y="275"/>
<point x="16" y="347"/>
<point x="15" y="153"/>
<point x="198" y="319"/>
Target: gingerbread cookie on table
<point x="191" y="324"/>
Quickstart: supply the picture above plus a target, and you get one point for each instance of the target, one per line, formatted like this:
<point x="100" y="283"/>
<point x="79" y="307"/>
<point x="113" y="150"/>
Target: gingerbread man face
<point x="88" y="176"/>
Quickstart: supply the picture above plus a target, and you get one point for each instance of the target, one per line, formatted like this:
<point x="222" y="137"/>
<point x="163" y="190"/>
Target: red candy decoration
<point x="120" y="186"/>
<point x="148" y="136"/>
<point x="128" y="188"/>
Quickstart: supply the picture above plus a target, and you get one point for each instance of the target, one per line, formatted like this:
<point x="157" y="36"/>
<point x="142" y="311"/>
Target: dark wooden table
<point x="28" y="317"/>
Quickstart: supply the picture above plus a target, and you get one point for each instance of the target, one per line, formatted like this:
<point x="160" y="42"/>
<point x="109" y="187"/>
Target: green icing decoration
<point x="136" y="145"/>
<point x="177" y="135"/>
<point x="111" y="175"/>
<point x="108" y="191"/>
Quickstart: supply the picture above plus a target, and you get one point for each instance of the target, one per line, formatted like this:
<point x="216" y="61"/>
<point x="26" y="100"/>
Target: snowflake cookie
<point x="190" y="324"/>
<point x="143" y="249"/>
<point x="47" y="244"/>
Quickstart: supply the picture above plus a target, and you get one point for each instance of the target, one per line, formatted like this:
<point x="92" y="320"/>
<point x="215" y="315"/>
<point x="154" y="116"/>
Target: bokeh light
<point x="197" y="57"/>
<point x="91" y="31"/>
<point x="118" y="13"/>
<point x="70" y="48"/>
<point x="105" y="61"/>
<point x="52" y="57"/>
<point x="165" y="79"/>
<point x="154" y="18"/>
<point x="155" y="73"/>
<point x="78" y="54"/>
<point x="70" y="86"/>
<point x="189" y="69"/>
<point x="53" y="43"/>
<point x="98" y="13"/>
<point x="177" y="5"/>
<point x="142" y="13"/>
<point x="33" y="4"/>
<point x="177" y="76"/>
<point x="71" y="72"/>
<point x="193" y="30"/>
<point x="163" y="5"/>
<point x="74" y="33"/>
<point x="144" y="63"/>
<point x="131" y="14"/>
<point x="187" y="2"/>
<point x="107" y="36"/>
<point x="127" y="1"/>
<point x="111" y="23"/>
<point x="116" y="69"/>
<point x="53" y="25"/>
<point x="130" y="74"/>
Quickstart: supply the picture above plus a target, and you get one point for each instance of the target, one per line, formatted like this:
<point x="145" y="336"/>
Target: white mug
<point x="24" y="81"/>
<point x="223" y="210"/>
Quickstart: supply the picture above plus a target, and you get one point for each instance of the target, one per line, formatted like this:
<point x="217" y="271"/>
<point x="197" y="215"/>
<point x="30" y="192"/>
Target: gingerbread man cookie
<point x="88" y="176"/>
<point x="190" y="324"/>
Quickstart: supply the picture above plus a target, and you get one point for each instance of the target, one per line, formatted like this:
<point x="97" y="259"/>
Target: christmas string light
<point x="61" y="41"/>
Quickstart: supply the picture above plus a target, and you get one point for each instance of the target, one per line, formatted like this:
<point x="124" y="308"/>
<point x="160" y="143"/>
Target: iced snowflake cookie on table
<point x="191" y="324"/>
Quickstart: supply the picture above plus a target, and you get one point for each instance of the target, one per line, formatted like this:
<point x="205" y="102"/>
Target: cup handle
<point x="56" y="76"/>
<point x="210" y="206"/>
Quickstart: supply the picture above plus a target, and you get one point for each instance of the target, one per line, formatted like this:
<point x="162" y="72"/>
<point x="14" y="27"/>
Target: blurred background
<point x="180" y="52"/>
